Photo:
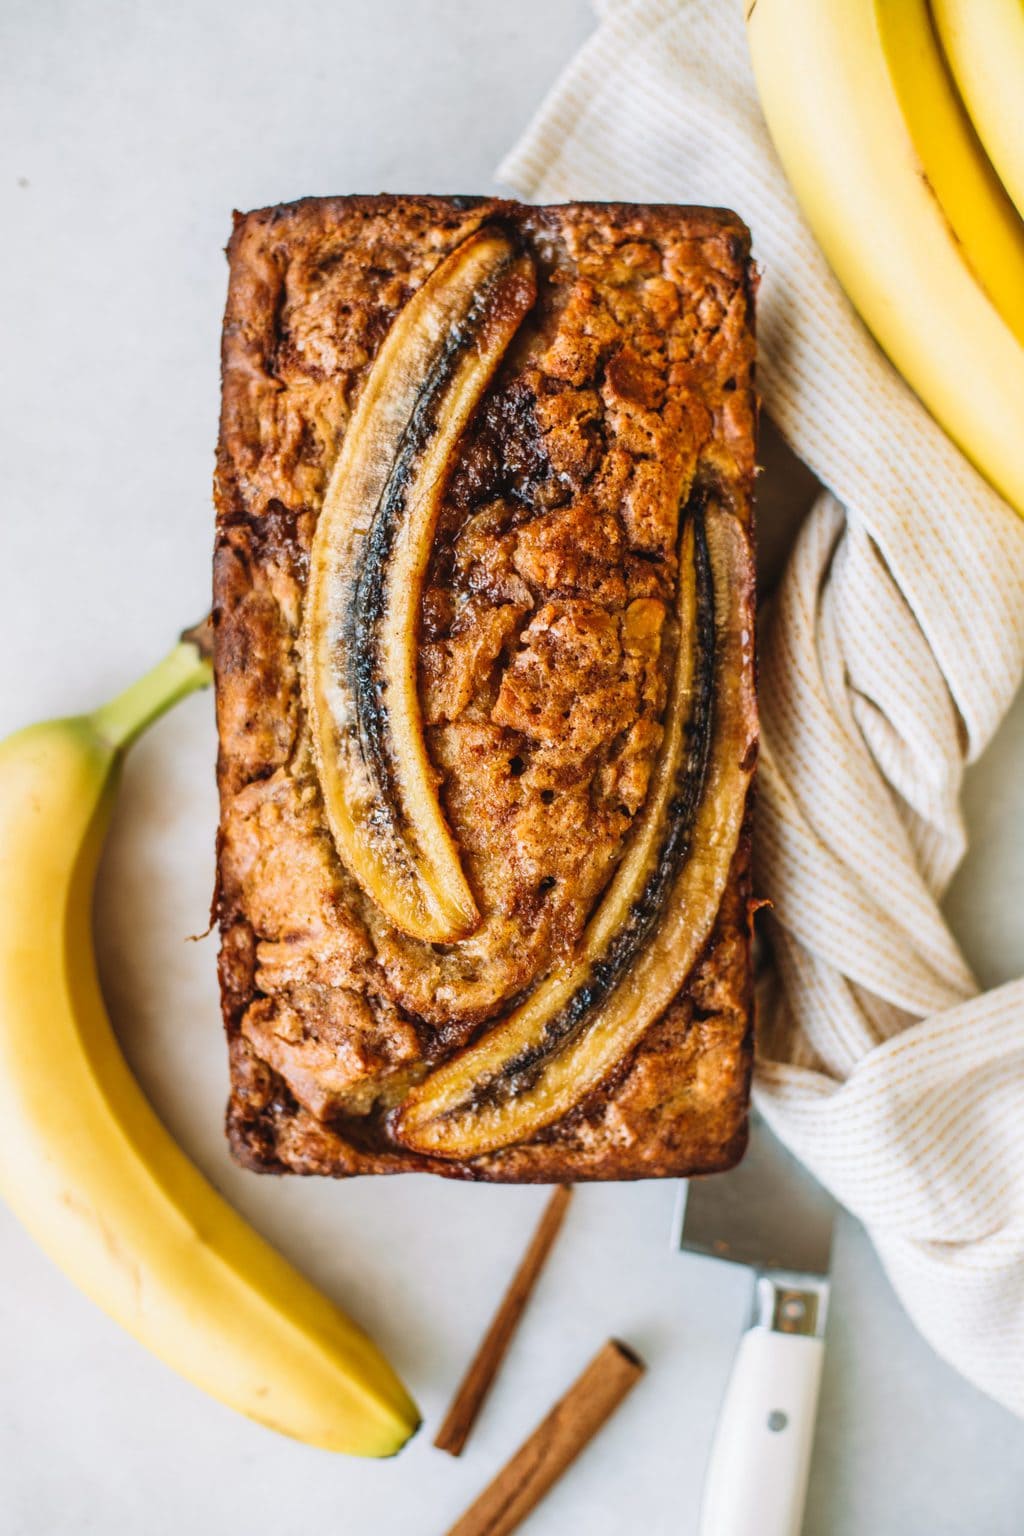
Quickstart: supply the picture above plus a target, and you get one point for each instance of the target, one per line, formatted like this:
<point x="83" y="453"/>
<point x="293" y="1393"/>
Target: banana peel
<point x="86" y="1165"/>
<point x="860" y="127"/>
<point x="984" y="47"/>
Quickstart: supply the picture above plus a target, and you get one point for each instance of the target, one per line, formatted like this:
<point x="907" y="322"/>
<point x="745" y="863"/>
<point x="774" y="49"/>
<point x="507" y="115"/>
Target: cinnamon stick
<point x="484" y="1366"/>
<point x="554" y="1444"/>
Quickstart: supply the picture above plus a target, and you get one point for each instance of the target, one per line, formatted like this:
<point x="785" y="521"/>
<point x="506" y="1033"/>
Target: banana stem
<point x="181" y="672"/>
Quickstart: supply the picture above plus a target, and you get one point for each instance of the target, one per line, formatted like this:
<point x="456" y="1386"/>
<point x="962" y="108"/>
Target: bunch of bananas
<point x="901" y="128"/>
<point x="85" y="1163"/>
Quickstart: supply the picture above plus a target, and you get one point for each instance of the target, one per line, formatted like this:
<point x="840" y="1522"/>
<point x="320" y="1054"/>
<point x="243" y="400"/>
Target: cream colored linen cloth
<point x="888" y="657"/>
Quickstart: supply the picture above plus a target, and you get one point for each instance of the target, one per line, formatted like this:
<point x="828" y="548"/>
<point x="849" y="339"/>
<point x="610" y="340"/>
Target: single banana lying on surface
<point x="373" y="541"/>
<point x="84" y="1162"/>
<point x="532" y="1067"/>
<point x="983" y="41"/>
<point x="897" y="189"/>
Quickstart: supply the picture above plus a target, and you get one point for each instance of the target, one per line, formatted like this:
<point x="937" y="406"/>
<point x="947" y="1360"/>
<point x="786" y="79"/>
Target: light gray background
<point x="127" y="133"/>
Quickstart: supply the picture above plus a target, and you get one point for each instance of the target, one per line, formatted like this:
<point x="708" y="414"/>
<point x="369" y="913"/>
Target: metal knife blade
<point x="769" y="1213"/>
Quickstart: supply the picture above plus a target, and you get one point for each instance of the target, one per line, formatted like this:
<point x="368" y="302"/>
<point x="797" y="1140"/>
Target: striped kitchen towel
<point x="889" y="655"/>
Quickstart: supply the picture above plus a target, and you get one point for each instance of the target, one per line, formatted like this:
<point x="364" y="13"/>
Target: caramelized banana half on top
<point x="534" y="1066"/>
<point x="367" y="567"/>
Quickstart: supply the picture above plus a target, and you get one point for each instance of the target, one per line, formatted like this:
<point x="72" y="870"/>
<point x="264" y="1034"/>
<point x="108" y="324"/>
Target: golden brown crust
<point x="542" y="671"/>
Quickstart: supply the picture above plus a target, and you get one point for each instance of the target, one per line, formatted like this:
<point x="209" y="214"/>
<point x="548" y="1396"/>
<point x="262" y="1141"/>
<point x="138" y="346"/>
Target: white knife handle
<point x="756" y="1481"/>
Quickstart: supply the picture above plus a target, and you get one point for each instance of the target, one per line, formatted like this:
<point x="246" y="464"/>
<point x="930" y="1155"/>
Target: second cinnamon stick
<point x="554" y="1445"/>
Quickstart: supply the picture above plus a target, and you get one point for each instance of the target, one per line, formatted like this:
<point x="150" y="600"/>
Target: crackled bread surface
<point x="546" y="637"/>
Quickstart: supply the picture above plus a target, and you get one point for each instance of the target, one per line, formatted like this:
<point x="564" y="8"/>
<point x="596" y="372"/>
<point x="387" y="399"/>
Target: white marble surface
<point x="127" y="133"/>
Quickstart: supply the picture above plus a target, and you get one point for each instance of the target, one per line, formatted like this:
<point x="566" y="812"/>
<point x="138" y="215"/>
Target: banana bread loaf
<point x="484" y="616"/>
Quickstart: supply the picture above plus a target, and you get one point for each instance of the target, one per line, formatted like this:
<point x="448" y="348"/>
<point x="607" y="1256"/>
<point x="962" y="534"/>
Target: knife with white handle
<point x="772" y="1216"/>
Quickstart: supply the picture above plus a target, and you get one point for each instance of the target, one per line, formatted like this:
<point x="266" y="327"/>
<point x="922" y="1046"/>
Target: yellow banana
<point x="868" y="128"/>
<point x="984" y="44"/>
<point x="84" y="1162"/>
<point x="969" y="192"/>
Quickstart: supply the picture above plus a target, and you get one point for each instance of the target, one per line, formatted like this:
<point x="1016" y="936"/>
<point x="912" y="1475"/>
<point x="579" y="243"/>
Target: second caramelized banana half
<point x="367" y="567"/>
<point x="537" y="1064"/>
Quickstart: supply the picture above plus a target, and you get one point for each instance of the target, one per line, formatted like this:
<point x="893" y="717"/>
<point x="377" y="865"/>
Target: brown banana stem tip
<point x="201" y="636"/>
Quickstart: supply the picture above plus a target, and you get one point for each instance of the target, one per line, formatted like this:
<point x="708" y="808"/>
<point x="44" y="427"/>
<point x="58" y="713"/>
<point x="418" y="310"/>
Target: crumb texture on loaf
<point x="546" y="637"/>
